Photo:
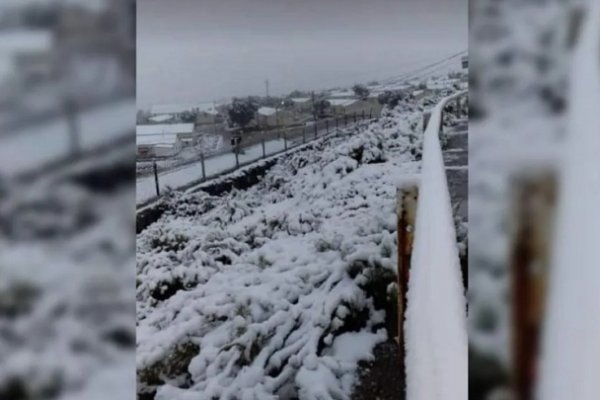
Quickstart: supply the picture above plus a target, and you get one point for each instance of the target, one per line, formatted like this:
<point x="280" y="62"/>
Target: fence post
<point x="363" y="114"/>
<point x="303" y="134"/>
<point x="327" y="126"/>
<point x="354" y="116"/>
<point x="262" y="143"/>
<point x="336" y="122"/>
<point x="285" y="145"/>
<point x="315" y="129"/>
<point x="426" y="117"/>
<point x="534" y="205"/>
<point x="203" y="167"/>
<point x="237" y="152"/>
<point x="406" y="213"/>
<point x="156" y="178"/>
<point x="458" y="107"/>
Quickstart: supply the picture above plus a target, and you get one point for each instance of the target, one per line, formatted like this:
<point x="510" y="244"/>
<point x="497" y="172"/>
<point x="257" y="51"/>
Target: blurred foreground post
<point x="533" y="212"/>
<point x="70" y="109"/>
<point x="262" y="143"/>
<point x="285" y="144"/>
<point x="156" y="177"/>
<point x="406" y="213"/>
<point x="202" y="164"/>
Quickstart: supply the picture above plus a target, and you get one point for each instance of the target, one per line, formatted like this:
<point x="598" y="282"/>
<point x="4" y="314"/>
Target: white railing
<point x="435" y="328"/>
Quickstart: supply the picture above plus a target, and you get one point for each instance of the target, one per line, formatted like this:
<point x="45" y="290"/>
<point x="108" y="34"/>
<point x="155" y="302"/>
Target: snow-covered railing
<point x="435" y="328"/>
<point x="570" y="350"/>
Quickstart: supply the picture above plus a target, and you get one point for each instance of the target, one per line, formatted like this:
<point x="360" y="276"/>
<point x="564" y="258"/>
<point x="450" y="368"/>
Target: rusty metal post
<point x="534" y="205"/>
<point x="406" y="214"/>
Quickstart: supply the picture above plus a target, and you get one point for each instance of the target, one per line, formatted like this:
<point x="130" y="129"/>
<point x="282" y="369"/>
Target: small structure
<point x="163" y="140"/>
<point x="266" y="117"/>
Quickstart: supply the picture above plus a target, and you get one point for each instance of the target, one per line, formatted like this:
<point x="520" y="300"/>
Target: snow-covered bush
<point x="277" y="291"/>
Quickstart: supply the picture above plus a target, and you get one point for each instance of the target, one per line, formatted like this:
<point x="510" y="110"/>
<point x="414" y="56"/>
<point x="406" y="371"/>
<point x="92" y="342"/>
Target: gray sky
<point x="203" y="50"/>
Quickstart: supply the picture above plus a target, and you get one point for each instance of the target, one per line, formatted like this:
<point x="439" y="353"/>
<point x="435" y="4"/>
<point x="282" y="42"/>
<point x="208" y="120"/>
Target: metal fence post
<point x="304" y="134"/>
<point x="262" y="143"/>
<point x="237" y="152"/>
<point x="285" y="146"/>
<point x="534" y="205"/>
<point x="406" y="214"/>
<point x="203" y="167"/>
<point x="156" y="178"/>
<point x="354" y="116"/>
<point x="327" y="125"/>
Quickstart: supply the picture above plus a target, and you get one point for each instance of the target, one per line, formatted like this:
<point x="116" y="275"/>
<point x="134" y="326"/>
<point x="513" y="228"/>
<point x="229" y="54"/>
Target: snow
<point x="158" y="139"/>
<point x="215" y="165"/>
<point x="570" y="345"/>
<point x="342" y="102"/>
<point x="33" y="147"/>
<point x="163" y="129"/>
<point x="252" y="294"/>
<point x="161" y="118"/>
<point x="26" y="41"/>
<point x="300" y="99"/>
<point x="207" y="107"/>
<point x="80" y="283"/>
<point x="435" y="325"/>
<point x="267" y="111"/>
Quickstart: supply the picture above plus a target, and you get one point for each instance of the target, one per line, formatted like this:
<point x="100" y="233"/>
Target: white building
<point x="162" y="140"/>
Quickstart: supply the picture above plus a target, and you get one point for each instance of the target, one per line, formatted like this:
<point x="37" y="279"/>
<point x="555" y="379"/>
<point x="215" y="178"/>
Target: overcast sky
<point x="204" y="50"/>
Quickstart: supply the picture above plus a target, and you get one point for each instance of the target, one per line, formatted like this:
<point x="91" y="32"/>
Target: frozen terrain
<point x="66" y="316"/>
<point x="280" y="290"/>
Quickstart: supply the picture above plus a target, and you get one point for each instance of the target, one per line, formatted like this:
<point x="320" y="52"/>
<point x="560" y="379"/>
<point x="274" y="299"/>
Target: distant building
<point x="206" y="113"/>
<point x="162" y="140"/>
<point x="267" y="117"/>
<point x="28" y="55"/>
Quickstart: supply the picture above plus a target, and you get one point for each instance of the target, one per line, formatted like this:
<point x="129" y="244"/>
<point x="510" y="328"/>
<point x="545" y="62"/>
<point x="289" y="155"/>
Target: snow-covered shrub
<point x="281" y="289"/>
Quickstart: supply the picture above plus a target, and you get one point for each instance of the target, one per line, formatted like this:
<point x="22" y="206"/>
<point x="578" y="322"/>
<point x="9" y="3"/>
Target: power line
<point x="412" y="74"/>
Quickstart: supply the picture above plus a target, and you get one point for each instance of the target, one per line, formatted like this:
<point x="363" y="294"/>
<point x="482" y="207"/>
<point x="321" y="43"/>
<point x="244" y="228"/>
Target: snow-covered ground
<point x="215" y="165"/>
<point x="33" y="147"/>
<point x="277" y="290"/>
<point x="67" y="325"/>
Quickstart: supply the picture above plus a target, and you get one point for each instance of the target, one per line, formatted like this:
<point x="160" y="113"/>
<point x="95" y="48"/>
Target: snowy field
<point x="66" y="317"/>
<point x="36" y="146"/>
<point x="277" y="291"/>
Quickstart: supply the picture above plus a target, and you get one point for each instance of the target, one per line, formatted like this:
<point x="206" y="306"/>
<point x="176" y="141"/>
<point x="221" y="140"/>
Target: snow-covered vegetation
<point x="277" y="291"/>
<point x="66" y="314"/>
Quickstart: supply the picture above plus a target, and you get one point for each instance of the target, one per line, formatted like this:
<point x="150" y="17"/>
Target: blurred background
<point x="67" y="149"/>
<point x="528" y="92"/>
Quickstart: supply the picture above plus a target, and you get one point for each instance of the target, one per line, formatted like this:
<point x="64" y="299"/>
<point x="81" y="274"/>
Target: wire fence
<point x="287" y="134"/>
<point x="254" y="147"/>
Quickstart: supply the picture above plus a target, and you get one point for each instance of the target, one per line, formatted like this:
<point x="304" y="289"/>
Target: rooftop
<point x="158" y="129"/>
